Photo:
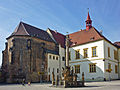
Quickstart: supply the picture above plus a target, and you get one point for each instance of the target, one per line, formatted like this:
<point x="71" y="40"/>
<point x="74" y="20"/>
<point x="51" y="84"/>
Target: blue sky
<point x="61" y="15"/>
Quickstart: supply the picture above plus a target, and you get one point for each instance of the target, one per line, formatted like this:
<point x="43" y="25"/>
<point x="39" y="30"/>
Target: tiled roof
<point x="85" y="36"/>
<point x="26" y="29"/>
<point x="59" y="38"/>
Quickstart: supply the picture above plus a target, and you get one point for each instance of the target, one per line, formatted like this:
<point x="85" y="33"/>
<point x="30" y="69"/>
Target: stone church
<point x="25" y="55"/>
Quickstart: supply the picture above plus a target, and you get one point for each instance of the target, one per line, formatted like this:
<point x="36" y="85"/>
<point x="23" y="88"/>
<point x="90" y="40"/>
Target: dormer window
<point x="92" y="38"/>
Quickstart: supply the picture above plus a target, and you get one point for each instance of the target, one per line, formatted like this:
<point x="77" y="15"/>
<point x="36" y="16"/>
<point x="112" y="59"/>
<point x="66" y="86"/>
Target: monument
<point x="69" y="77"/>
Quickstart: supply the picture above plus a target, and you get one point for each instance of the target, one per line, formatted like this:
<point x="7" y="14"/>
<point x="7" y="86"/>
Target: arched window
<point x="29" y="44"/>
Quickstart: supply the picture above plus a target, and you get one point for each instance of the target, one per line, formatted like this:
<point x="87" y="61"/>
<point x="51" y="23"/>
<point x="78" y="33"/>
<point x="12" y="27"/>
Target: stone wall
<point x="27" y="58"/>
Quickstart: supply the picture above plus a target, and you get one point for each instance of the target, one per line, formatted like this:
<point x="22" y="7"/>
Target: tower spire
<point x="88" y="21"/>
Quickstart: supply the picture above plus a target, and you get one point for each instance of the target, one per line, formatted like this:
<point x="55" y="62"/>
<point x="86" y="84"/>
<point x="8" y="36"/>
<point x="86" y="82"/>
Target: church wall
<point x="119" y="63"/>
<point x="20" y="57"/>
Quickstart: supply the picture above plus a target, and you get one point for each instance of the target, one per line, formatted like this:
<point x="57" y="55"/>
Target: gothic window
<point x="13" y="42"/>
<point x="12" y="57"/>
<point x="29" y="44"/>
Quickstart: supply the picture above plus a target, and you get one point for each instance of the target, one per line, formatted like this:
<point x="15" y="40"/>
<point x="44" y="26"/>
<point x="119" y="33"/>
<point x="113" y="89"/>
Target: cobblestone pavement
<point x="108" y="85"/>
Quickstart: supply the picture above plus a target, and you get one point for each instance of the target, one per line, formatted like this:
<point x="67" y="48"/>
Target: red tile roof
<point x="59" y="38"/>
<point x="85" y="36"/>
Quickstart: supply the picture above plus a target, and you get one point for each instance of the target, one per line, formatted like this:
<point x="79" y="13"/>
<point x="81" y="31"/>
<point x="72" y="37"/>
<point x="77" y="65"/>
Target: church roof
<point x="86" y="36"/>
<point x="24" y="29"/>
<point x="59" y="38"/>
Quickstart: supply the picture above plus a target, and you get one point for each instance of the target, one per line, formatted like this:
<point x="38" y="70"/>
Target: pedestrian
<point x="23" y="82"/>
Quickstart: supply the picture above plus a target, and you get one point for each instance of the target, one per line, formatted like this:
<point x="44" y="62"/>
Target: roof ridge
<point x="32" y="26"/>
<point x="25" y="29"/>
<point x="77" y="31"/>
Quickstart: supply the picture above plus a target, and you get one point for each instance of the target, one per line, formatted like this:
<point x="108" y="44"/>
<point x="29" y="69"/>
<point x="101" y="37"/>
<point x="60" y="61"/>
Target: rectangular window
<point x="92" y="67"/>
<point x="63" y="58"/>
<point x="57" y="70"/>
<point x="115" y="55"/>
<point x="69" y="55"/>
<point x="116" y="69"/>
<point x="85" y="52"/>
<point x="49" y="56"/>
<point x="53" y="57"/>
<point x="108" y="51"/>
<point x="77" y="54"/>
<point x="94" y="54"/>
<point x="57" y="58"/>
<point x="77" y="68"/>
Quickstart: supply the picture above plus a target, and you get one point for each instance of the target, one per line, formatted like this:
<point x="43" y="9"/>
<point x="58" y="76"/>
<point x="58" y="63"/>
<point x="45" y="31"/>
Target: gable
<point x="58" y="37"/>
<point x="26" y="29"/>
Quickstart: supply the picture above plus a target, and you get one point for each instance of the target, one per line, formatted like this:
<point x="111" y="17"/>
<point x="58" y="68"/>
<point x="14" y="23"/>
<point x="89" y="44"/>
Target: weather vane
<point x="88" y="9"/>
